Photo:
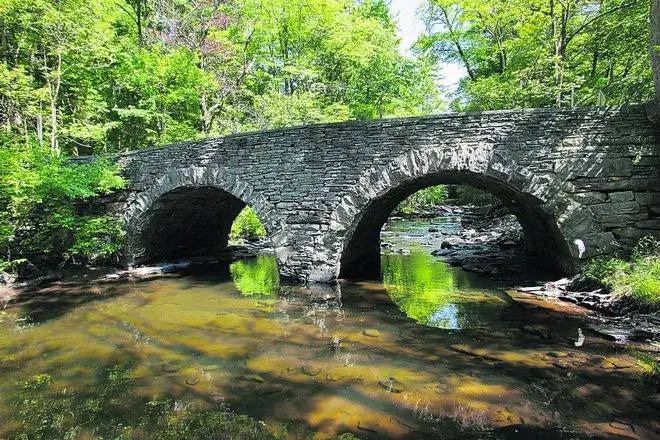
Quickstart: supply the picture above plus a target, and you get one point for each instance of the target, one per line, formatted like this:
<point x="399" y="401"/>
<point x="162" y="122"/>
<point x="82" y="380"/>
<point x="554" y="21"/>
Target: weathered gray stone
<point x="623" y="196"/>
<point x="323" y="192"/>
<point x="648" y="198"/>
<point x="620" y="220"/>
<point x="615" y="208"/>
<point x="590" y="197"/>
<point x="629" y="233"/>
<point x="648" y="224"/>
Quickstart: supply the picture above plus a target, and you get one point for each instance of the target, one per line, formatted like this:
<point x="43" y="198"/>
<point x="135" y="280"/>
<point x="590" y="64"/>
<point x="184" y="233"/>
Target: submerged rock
<point x="334" y="377"/>
<point x="170" y="367"/>
<point x="311" y="370"/>
<point x="371" y="332"/>
<point x="193" y="379"/>
<point x="392" y="385"/>
<point x="251" y="378"/>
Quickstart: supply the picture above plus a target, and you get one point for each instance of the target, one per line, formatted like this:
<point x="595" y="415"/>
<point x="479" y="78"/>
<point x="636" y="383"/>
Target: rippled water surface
<point x="230" y="353"/>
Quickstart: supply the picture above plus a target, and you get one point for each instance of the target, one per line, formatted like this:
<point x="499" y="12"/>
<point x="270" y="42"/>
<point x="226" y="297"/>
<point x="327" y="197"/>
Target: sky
<point x="410" y="28"/>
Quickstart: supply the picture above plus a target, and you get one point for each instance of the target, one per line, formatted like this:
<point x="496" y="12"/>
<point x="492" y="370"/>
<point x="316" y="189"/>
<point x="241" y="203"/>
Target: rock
<point x="386" y="245"/>
<point x="508" y="244"/>
<point x="311" y="370"/>
<point x="432" y="229"/>
<point x="193" y="379"/>
<point x="620" y="426"/>
<point x="442" y="252"/>
<point x="334" y="377"/>
<point x="452" y="242"/>
<point x="6" y="279"/>
<point x="621" y="364"/>
<point x="170" y="367"/>
<point x="557" y="354"/>
<point x="623" y="196"/>
<point x="364" y="428"/>
<point x="392" y="385"/>
<point x="251" y="378"/>
<point x="372" y="333"/>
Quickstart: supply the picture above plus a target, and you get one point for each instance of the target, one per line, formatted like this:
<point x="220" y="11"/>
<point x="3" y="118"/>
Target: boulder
<point x="452" y="242"/>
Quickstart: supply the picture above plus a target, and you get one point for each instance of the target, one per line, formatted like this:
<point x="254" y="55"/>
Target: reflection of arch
<point x="188" y="212"/>
<point x="357" y="220"/>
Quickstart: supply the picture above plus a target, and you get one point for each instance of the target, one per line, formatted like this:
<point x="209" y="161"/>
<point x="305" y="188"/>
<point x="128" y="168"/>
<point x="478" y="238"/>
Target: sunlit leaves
<point x="542" y="53"/>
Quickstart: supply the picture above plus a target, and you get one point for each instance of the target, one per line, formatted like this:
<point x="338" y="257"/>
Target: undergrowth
<point x="636" y="277"/>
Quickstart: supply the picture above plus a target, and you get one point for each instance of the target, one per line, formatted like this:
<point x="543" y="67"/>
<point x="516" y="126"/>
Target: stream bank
<point x="495" y="248"/>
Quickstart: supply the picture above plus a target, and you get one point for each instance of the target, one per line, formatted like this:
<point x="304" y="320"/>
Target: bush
<point x="247" y="226"/>
<point x="39" y="215"/>
<point x="637" y="277"/>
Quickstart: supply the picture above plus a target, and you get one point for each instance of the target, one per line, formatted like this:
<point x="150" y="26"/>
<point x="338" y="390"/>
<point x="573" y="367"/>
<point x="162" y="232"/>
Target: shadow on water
<point x="432" y="352"/>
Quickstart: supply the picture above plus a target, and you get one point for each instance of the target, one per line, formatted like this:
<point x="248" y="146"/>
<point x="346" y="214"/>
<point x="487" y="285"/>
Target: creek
<point x="227" y="351"/>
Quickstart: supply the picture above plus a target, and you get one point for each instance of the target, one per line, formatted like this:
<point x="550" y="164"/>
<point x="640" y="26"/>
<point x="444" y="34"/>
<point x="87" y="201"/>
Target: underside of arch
<point x="360" y="256"/>
<point x="186" y="222"/>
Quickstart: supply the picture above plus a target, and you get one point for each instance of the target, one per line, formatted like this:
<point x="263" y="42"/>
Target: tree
<point x="541" y="53"/>
<point x="655" y="44"/>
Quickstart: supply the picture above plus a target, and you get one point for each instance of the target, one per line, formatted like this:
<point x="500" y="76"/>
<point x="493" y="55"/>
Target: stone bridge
<point x="582" y="183"/>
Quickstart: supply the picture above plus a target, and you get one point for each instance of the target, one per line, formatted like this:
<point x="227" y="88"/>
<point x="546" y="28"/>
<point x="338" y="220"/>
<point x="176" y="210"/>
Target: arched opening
<point x="360" y="256"/>
<point x="189" y="222"/>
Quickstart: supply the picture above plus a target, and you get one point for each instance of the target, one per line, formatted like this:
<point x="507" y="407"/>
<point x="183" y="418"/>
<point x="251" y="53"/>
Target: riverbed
<point x="227" y="351"/>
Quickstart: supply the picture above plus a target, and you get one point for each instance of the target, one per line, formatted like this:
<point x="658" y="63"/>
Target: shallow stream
<point x="229" y="352"/>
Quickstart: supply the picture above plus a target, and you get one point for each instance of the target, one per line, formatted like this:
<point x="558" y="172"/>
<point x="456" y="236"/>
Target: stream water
<point x="229" y="352"/>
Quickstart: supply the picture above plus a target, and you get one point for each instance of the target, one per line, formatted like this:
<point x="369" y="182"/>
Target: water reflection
<point x="438" y="295"/>
<point x="184" y="356"/>
<point x="256" y="276"/>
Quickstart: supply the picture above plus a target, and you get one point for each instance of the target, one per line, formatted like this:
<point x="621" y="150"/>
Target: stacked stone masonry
<point x="582" y="182"/>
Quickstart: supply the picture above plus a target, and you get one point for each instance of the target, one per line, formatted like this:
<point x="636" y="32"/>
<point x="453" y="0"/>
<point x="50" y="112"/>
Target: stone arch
<point x="352" y="243"/>
<point x="190" y="210"/>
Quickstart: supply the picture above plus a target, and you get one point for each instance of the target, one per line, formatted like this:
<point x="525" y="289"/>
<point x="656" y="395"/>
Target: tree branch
<point x="598" y="17"/>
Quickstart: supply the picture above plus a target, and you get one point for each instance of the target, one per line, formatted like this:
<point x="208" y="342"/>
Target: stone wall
<point x="582" y="182"/>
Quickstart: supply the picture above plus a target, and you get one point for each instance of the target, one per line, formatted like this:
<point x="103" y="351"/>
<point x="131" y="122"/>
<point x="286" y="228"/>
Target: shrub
<point x="39" y="197"/>
<point x="637" y="277"/>
<point x="247" y="226"/>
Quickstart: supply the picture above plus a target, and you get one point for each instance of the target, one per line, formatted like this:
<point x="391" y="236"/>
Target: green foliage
<point x="541" y="53"/>
<point x="106" y="76"/>
<point x="648" y="361"/>
<point x="199" y="69"/>
<point x="417" y="286"/>
<point x="247" y="226"/>
<point x="39" y="193"/>
<point x="637" y="277"/>
<point x="258" y="276"/>
<point x="468" y="195"/>
<point x="422" y="200"/>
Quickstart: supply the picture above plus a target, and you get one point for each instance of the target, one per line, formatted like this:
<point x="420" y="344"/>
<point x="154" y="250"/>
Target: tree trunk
<point x="53" y="81"/>
<point x="655" y="42"/>
<point x="139" y="21"/>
